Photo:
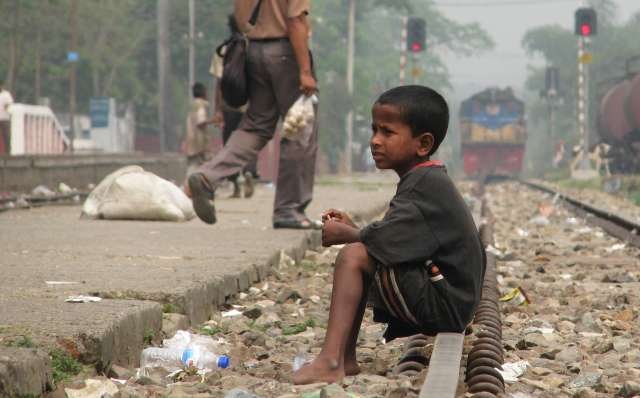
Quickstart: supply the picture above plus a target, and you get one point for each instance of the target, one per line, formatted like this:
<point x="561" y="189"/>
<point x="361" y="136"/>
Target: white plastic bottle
<point x="173" y="359"/>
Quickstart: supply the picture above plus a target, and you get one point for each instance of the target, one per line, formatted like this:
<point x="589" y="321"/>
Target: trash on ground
<point x="94" y="388"/>
<point x="231" y="313"/>
<point x="299" y="361"/>
<point x="64" y="188"/>
<point x="53" y="283"/>
<point x="539" y="220"/>
<point x="511" y="371"/>
<point x="516" y="296"/>
<point x="82" y="299"/>
<point x="42" y="190"/>
<point x="183" y="351"/>
<point x="131" y="193"/>
<point x="615" y="248"/>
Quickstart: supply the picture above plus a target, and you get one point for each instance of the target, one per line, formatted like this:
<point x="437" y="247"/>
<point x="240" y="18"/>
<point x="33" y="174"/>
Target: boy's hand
<point x="338" y="216"/>
<point x="337" y="233"/>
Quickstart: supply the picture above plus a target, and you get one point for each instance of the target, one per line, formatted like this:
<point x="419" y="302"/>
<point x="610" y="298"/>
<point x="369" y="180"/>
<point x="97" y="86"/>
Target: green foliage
<point x="64" y="365"/>
<point x="148" y="336"/>
<point x="117" y="46"/>
<point x="213" y="330"/>
<point x="169" y="308"/>
<point x="23" y="341"/>
<point x="298" y="327"/>
<point x="614" y="43"/>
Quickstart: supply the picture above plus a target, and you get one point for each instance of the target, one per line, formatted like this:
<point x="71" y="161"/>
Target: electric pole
<point x="192" y="49"/>
<point x="72" y="58"/>
<point x="163" y="72"/>
<point x="403" y="51"/>
<point x="350" y="56"/>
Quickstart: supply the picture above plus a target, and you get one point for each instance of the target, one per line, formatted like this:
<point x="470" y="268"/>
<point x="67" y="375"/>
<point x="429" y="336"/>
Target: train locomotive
<point x="493" y="133"/>
<point x="619" y="124"/>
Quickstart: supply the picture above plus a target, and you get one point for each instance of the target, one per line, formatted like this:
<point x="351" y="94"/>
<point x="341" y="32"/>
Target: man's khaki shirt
<point x="272" y="19"/>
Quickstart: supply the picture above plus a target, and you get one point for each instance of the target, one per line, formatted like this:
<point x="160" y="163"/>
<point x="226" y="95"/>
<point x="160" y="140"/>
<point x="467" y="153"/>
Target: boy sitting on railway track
<point x="423" y="260"/>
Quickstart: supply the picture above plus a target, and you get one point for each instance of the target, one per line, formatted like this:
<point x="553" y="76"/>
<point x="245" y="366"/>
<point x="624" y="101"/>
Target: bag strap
<point x="252" y="22"/>
<point x="254" y="14"/>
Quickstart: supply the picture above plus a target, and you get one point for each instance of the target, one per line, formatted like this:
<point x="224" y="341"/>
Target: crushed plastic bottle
<point x="185" y="350"/>
<point x="173" y="359"/>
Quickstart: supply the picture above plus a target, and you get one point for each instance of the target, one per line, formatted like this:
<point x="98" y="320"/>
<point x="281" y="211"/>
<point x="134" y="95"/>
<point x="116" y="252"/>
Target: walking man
<point x="5" y="121"/>
<point x="279" y="70"/>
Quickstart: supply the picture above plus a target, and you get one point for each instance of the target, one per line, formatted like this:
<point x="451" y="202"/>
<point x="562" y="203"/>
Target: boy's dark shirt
<point x="429" y="220"/>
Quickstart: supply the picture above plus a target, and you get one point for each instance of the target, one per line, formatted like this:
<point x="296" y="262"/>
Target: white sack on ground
<point x="131" y="193"/>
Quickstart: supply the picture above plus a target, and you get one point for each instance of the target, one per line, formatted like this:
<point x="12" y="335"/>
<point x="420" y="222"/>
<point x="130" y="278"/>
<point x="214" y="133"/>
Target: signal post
<point x="585" y="27"/>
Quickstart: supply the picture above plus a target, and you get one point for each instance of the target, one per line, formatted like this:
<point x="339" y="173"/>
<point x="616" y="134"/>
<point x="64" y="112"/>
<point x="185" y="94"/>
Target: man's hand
<point x="337" y="233"/>
<point x="338" y="216"/>
<point x="218" y="119"/>
<point x="308" y="84"/>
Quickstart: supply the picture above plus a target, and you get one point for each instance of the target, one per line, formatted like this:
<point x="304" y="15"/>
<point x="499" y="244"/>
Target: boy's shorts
<point x="425" y="311"/>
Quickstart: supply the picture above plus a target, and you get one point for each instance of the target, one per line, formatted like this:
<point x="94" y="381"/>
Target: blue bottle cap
<point x="223" y="362"/>
<point x="186" y="356"/>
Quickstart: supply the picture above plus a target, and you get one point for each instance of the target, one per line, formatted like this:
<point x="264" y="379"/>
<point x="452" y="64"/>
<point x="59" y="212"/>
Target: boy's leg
<point x="351" y="367"/>
<point x="353" y="267"/>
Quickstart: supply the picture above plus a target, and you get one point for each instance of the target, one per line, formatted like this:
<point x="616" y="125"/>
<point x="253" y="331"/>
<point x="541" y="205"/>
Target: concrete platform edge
<point x="124" y="339"/>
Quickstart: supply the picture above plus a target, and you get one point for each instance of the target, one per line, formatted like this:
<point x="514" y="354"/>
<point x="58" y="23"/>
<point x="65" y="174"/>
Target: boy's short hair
<point x="421" y="108"/>
<point x="199" y="90"/>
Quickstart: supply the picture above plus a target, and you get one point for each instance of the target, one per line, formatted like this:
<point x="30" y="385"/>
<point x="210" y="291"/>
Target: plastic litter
<point x="185" y="350"/>
<point x="240" y="393"/>
<point x="516" y="296"/>
<point x="298" y="361"/>
<point x="54" y="283"/>
<point x="94" y="388"/>
<point x="615" y="248"/>
<point x="231" y="313"/>
<point x="64" y="188"/>
<point x="511" y="371"/>
<point x="298" y="123"/>
<point x="42" y="190"/>
<point x="82" y="299"/>
<point x="539" y="220"/>
<point x="131" y="193"/>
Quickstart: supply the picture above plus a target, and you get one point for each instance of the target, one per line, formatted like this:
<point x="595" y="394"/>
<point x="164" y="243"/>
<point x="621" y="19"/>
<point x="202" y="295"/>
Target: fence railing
<point x="36" y="130"/>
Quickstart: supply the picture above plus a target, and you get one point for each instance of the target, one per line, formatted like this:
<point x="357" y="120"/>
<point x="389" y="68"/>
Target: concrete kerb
<point x="123" y="339"/>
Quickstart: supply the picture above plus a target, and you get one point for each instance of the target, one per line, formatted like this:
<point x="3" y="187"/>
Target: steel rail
<point x="443" y="357"/>
<point x="613" y="223"/>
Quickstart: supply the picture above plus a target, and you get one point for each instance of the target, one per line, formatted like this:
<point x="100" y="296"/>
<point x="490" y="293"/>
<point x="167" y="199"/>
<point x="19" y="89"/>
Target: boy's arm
<point x="337" y="233"/>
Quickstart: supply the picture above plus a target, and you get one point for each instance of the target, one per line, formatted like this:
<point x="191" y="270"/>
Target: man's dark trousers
<point x="273" y="82"/>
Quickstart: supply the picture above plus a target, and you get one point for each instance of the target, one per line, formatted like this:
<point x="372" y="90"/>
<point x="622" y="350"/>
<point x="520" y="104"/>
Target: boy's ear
<point x="425" y="143"/>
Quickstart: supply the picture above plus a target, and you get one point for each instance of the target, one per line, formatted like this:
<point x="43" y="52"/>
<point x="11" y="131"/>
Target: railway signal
<point x="586" y="26"/>
<point x="416" y="35"/>
<point x="586" y="22"/>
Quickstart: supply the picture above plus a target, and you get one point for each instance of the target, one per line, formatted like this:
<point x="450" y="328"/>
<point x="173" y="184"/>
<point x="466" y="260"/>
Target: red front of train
<point x="493" y="133"/>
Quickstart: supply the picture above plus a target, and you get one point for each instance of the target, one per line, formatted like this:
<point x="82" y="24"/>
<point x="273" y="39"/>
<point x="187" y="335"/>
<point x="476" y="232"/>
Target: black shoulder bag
<point x="233" y="83"/>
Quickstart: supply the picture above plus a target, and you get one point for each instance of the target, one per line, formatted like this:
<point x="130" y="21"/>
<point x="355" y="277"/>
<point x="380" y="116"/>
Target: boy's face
<point x="393" y="146"/>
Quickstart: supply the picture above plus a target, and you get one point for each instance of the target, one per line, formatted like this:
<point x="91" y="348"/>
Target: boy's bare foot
<point x="320" y="370"/>
<point x="351" y="367"/>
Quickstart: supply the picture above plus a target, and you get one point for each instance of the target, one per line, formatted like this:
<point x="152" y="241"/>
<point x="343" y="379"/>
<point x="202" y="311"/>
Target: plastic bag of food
<point x="298" y="123"/>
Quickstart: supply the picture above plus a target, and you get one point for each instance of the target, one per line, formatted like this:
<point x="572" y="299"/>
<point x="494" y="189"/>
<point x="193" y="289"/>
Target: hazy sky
<point x="506" y="64"/>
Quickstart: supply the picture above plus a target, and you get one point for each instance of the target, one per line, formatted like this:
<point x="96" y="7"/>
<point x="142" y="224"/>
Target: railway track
<point x="616" y="225"/>
<point x="480" y="351"/>
<point x="479" y="355"/>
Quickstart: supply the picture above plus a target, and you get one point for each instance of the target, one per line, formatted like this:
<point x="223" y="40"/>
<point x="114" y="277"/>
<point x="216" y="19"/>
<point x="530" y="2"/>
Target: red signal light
<point x="416" y="47"/>
<point x="585" y="30"/>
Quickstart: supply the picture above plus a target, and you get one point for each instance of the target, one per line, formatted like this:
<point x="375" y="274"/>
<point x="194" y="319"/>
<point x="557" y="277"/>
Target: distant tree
<point x="614" y="43"/>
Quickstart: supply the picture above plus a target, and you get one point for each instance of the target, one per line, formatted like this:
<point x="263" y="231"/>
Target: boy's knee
<point x="353" y="255"/>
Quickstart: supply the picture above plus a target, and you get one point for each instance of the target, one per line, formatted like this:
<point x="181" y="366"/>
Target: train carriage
<point x="493" y="133"/>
